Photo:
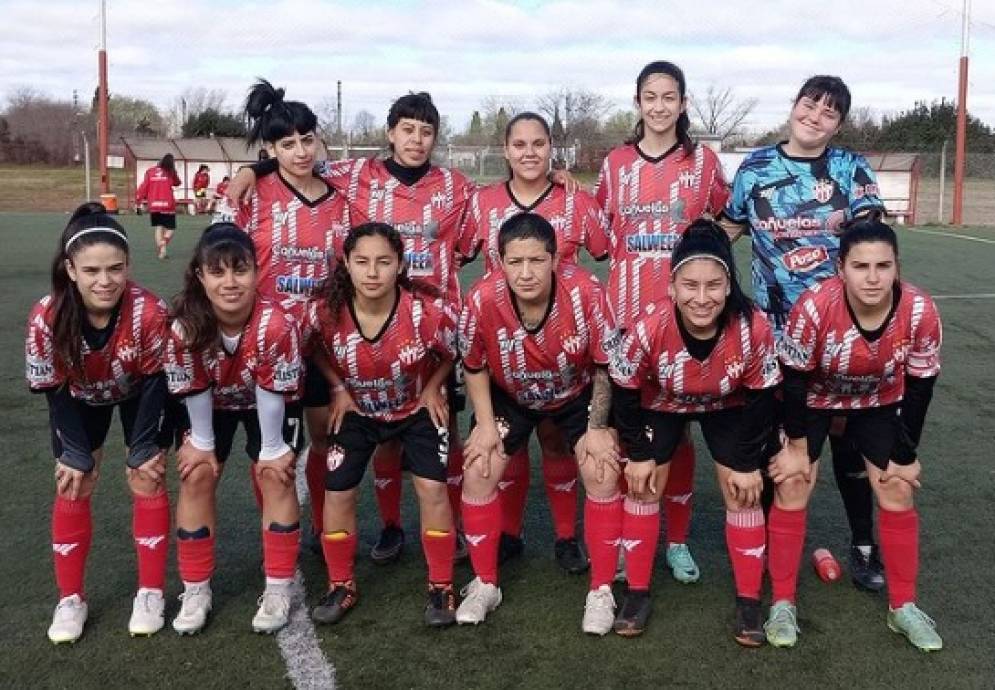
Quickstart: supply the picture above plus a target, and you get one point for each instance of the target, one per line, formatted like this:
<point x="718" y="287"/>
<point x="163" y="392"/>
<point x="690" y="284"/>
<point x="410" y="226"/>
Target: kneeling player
<point x="93" y="344"/>
<point x="704" y="354"/>
<point x="232" y="356"/>
<point x="865" y="345"/>
<point x="393" y="352"/>
<point x="534" y="341"/>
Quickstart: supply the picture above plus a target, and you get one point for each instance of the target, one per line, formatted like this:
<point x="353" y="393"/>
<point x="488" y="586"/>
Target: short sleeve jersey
<point x="386" y="374"/>
<point x="267" y="355"/>
<point x="546" y="367"/>
<point x="794" y="208"/>
<point x="114" y="372"/>
<point x="576" y="218"/>
<point x="428" y="214"/>
<point x="846" y="371"/>
<point x="653" y="359"/>
<point x="295" y="240"/>
<point x="649" y="202"/>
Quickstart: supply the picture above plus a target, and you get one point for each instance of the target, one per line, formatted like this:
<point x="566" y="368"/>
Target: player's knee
<point x="894" y="494"/>
<point x="200" y="480"/>
<point x="142" y="486"/>
<point x="793" y="493"/>
<point x="475" y="484"/>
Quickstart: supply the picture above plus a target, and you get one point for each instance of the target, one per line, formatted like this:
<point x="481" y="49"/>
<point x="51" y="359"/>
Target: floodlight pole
<point x="86" y="165"/>
<point x="961" y="148"/>
<point x="103" y="128"/>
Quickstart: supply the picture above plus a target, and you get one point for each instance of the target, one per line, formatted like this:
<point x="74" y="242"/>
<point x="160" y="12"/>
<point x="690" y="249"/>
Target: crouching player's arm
<point x="743" y="481"/>
<point x="905" y="459"/>
<point x="433" y="397"/>
<point x="484" y="440"/>
<point x="793" y="459"/>
<point x="640" y="470"/>
<point x="598" y="444"/>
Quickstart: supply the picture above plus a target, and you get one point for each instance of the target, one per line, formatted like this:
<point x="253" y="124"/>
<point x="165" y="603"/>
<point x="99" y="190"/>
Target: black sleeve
<point x="912" y="417"/>
<point x="69" y="424"/>
<point x="151" y="401"/>
<point x="795" y="387"/>
<point x="264" y="168"/>
<point x="630" y="423"/>
<point x="754" y="430"/>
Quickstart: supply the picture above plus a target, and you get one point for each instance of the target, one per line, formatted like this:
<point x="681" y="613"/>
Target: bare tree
<point x="191" y="103"/>
<point x="40" y="129"/>
<point x="579" y="110"/>
<point x="720" y="112"/>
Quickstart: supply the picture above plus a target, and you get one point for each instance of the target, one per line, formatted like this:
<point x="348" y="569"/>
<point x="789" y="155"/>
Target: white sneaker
<point x="274" y="609"/>
<point x="620" y="574"/>
<point x="599" y="611"/>
<point x="479" y="599"/>
<point x="196" y="600"/>
<point x="147" y="616"/>
<point x="68" y="620"/>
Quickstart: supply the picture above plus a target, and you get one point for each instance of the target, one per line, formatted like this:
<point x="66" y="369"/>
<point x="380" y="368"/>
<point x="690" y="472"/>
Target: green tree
<point x="211" y="122"/>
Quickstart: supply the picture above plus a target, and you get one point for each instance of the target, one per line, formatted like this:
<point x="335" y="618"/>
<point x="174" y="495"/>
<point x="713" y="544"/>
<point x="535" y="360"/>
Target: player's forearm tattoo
<point x="601" y="399"/>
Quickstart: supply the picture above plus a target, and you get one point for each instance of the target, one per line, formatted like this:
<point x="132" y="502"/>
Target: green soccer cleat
<point x="782" y="625"/>
<point x="918" y="628"/>
<point x="681" y="563"/>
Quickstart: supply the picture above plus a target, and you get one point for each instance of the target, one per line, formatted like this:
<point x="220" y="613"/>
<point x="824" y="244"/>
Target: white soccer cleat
<point x="599" y="611"/>
<point x="274" y="609"/>
<point x="147" y="613"/>
<point x="68" y="620"/>
<point x="193" y="613"/>
<point x="479" y="599"/>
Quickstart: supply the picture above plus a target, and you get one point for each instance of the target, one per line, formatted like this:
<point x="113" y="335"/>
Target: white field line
<point x="307" y="667"/>
<point x="983" y="240"/>
<point x="976" y="295"/>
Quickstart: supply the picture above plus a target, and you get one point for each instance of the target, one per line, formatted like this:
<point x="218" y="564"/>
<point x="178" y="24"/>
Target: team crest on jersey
<point x="410" y="352"/>
<point x="572" y="343"/>
<point x="686" y="178"/>
<point x="559" y="223"/>
<point x="335" y="457"/>
<point x="822" y="190"/>
<point x="804" y="259"/>
<point x="438" y="200"/>
<point x="127" y="352"/>
<point x="648" y="431"/>
<point x="735" y="368"/>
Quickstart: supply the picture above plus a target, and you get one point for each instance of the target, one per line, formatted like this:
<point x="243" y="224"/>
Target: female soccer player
<point x="95" y="343"/>
<point x="793" y="197"/>
<point x="578" y="222"/>
<point x="157" y="190"/>
<point x="393" y="351"/>
<point x="707" y="355"/>
<point x="201" y="181"/>
<point x="296" y="222"/>
<point x="651" y="189"/>
<point x="535" y="341"/>
<point x="233" y="357"/>
<point x="866" y="346"/>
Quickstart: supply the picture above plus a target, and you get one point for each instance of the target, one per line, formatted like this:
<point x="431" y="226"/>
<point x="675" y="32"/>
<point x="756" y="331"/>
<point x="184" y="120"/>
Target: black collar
<point x="407" y="176"/>
<point x="656" y="159"/>
<point x="875" y="335"/>
<point x="303" y="199"/>
<point x="549" y="309"/>
<point x="700" y="349"/>
<point x="539" y="199"/>
<point x="351" y="303"/>
<point x="97" y="338"/>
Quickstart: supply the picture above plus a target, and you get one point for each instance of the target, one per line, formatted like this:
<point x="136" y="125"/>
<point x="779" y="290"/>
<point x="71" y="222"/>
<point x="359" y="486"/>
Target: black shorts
<point x="720" y="428"/>
<point x="317" y="391"/>
<point x="166" y="220"/>
<point x="515" y="423"/>
<point x="873" y="431"/>
<point x="425" y="448"/>
<point x="226" y="423"/>
<point x="97" y="422"/>
<point x="456" y="390"/>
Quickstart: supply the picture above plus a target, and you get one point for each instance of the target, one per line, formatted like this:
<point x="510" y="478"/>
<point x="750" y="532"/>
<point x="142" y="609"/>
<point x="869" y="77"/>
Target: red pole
<point x="961" y="150"/>
<point x="102" y="134"/>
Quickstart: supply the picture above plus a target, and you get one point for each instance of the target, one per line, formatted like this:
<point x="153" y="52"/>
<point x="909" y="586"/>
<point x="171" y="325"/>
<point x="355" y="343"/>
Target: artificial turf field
<point x="534" y="638"/>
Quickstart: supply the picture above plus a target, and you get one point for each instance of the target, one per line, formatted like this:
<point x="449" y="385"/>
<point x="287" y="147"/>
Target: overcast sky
<point x="891" y="52"/>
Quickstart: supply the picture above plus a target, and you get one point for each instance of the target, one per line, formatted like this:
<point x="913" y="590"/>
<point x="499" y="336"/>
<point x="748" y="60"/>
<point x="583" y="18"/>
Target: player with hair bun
<point x="297" y="224"/>
<point x="234" y="359"/>
<point x="705" y="354"/>
<point x="651" y="189"/>
<point x="95" y="342"/>
<point x="579" y="223"/>
<point x="392" y="348"/>
<point x="864" y="345"/>
<point x="156" y="190"/>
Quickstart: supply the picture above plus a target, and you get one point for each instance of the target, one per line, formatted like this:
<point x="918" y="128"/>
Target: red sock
<point x="314" y="472"/>
<point x="150" y="528"/>
<point x="196" y="558"/>
<point x="899" y="532"/>
<point x="256" y="491"/>
<point x="482" y="526"/>
<point x="513" y="490"/>
<point x="602" y="531"/>
<point x="454" y="478"/>
<point x="387" y="483"/>
<point x="280" y="553"/>
<point x="785" y="541"/>
<point x="679" y="493"/>
<point x="746" y="540"/>
<point x="340" y="555"/>
<point x="439" y="547"/>
<point x="559" y="472"/>
<point x="640" y="533"/>
<point x="72" y="532"/>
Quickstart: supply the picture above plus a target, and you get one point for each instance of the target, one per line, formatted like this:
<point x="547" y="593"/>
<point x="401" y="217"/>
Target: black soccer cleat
<point x="748" y="629"/>
<point x="311" y="543"/>
<point x="867" y="572"/>
<point x="440" y="612"/>
<point x="509" y="547"/>
<point x="571" y="556"/>
<point x="630" y="621"/>
<point x="337" y="602"/>
<point x="389" y="546"/>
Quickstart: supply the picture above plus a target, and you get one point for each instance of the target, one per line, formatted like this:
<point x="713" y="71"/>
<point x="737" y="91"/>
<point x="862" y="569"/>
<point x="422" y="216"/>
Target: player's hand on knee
<point x="907" y="473"/>
<point x="600" y="446"/>
<point x="641" y="478"/>
<point x="745" y="488"/>
<point x="791" y="461"/>
<point x="482" y="442"/>
<point x="282" y="469"/>
<point x="188" y="458"/>
<point x="342" y="403"/>
<point x="68" y="481"/>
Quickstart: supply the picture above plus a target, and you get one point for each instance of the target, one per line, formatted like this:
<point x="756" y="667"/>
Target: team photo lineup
<point x="321" y="317"/>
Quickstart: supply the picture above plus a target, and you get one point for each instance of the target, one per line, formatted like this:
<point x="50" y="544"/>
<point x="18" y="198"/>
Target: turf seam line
<point x="983" y="240"/>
